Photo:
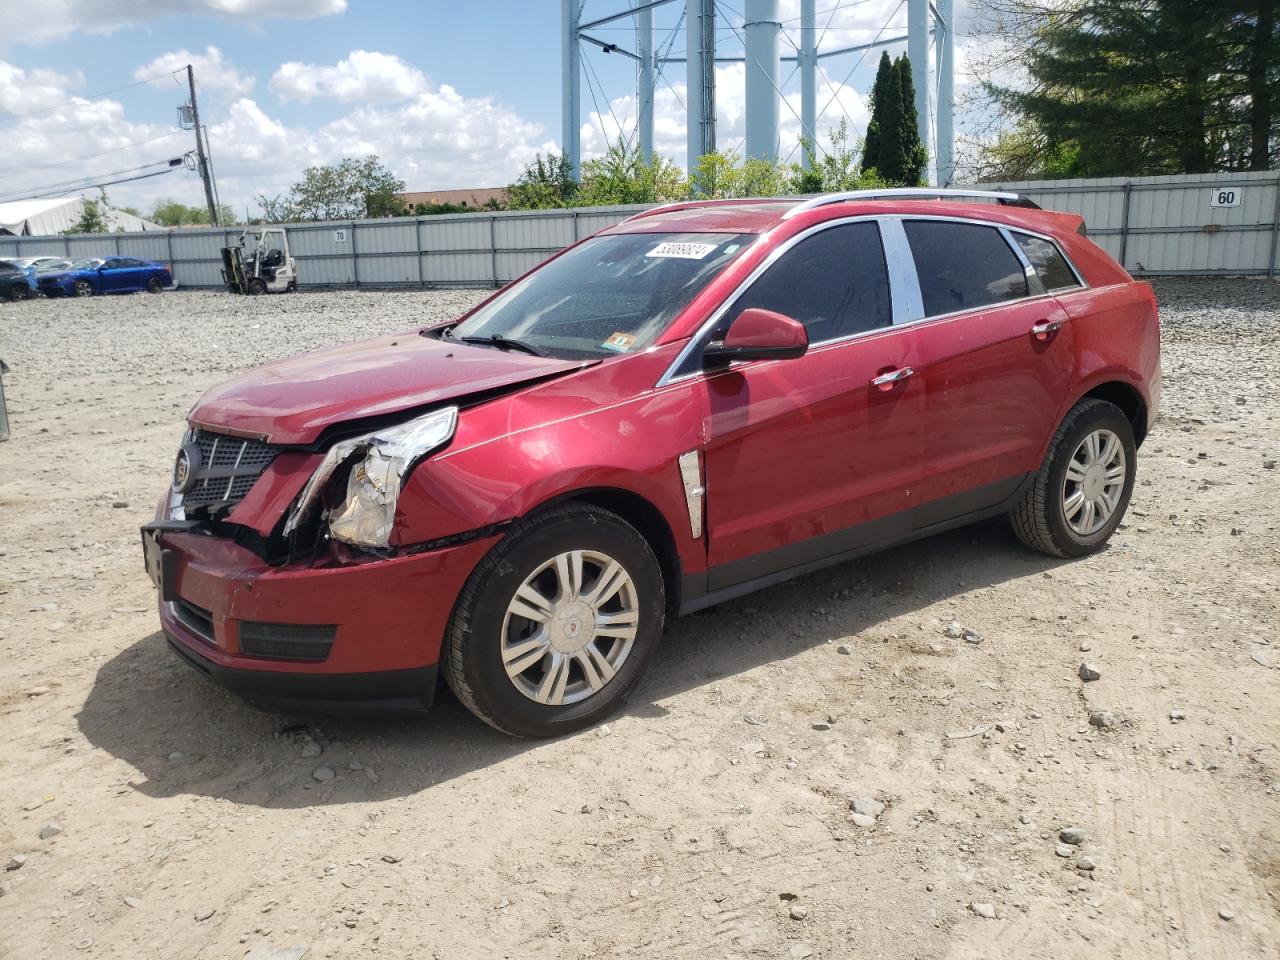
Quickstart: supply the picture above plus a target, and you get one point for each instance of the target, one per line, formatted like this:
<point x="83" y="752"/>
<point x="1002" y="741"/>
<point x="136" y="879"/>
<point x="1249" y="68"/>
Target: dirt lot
<point x="712" y="817"/>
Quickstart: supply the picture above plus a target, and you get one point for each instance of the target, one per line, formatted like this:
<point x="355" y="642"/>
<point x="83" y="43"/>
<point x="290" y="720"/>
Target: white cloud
<point x="59" y="18"/>
<point x="364" y="76"/>
<point x="22" y="91"/>
<point x="213" y="71"/>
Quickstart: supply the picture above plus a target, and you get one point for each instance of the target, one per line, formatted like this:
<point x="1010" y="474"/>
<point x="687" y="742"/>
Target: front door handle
<point x="1045" y="329"/>
<point x="886" y="380"/>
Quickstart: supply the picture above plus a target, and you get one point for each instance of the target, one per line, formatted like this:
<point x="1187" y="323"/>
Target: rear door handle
<point x="886" y="380"/>
<point x="1045" y="329"/>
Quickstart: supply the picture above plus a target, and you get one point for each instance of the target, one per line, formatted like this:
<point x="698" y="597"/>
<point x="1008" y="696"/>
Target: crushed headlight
<point x="382" y="460"/>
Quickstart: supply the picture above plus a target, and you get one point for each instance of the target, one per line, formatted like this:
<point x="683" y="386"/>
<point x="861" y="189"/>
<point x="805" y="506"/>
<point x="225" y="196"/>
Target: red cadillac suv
<point x="707" y="399"/>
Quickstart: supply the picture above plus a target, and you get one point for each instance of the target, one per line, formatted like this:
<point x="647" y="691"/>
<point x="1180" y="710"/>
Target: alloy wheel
<point x="1094" y="483"/>
<point x="570" y="627"/>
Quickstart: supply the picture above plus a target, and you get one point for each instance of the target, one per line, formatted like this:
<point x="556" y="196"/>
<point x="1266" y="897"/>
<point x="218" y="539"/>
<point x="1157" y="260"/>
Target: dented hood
<point x="292" y="401"/>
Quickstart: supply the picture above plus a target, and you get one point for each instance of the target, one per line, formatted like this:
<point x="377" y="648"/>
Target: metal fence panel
<point x="1153" y="225"/>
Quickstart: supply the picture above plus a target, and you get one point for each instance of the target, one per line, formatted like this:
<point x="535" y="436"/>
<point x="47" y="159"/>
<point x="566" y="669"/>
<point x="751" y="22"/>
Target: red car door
<point x="807" y="459"/>
<point x="995" y="360"/>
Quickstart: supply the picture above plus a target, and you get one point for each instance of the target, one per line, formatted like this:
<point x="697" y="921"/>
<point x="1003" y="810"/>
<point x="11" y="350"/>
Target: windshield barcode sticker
<point x="682" y="251"/>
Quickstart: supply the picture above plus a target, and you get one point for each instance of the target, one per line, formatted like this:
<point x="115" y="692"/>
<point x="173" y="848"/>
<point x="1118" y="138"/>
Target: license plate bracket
<point x="161" y="562"/>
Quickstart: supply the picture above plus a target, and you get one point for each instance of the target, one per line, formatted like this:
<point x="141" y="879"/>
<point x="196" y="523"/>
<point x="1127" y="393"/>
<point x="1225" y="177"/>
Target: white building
<point x="35" y="218"/>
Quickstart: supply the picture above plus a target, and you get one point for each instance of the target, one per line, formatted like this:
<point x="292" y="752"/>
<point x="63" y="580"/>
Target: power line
<point x="92" y="156"/>
<point x="97" y="96"/>
<point x="75" y="182"/>
<point x="61" y="191"/>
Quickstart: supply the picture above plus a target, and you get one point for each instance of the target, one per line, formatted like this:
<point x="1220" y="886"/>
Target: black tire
<point x="20" y="291"/>
<point x="154" y="285"/>
<point x="472" y="654"/>
<point x="1040" y="519"/>
<point x="83" y="288"/>
<point x="257" y="287"/>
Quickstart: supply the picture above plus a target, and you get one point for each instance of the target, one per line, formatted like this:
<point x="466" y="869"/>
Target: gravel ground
<point x="823" y="769"/>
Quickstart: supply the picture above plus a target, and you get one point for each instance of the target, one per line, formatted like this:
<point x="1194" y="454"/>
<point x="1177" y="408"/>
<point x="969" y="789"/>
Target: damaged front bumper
<point x="359" y="635"/>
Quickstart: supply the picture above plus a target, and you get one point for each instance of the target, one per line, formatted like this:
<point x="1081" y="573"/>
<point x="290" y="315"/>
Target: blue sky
<point x="448" y="94"/>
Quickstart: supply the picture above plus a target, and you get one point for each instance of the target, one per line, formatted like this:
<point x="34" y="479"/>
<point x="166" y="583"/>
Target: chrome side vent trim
<point x="694" y="491"/>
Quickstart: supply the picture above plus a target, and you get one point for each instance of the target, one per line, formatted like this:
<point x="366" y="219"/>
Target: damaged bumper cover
<point x="355" y="635"/>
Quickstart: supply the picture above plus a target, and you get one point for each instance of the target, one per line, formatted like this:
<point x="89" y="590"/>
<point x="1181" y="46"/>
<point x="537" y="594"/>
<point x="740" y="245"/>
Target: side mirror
<point x="759" y="335"/>
<point x="102" y="267"/>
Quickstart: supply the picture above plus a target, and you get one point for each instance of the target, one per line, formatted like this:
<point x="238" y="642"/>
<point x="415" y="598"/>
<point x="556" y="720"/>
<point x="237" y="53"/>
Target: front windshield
<point x="44" y="265"/>
<point x="92" y="263"/>
<point x="612" y="294"/>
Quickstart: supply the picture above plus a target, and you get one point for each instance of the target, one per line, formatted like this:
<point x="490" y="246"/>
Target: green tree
<point x="892" y="149"/>
<point x="171" y="213"/>
<point x="622" y="176"/>
<point x="836" y="170"/>
<point x="912" y="154"/>
<point x="543" y="184"/>
<point x="93" y="217"/>
<point x="880" y="97"/>
<point x="1133" y="87"/>
<point x="345" y="190"/>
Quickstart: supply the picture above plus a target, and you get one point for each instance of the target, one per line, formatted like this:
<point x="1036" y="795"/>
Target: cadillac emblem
<point x="184" y="469"/>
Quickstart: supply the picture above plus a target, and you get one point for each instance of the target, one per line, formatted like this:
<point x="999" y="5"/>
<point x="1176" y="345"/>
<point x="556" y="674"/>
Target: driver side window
<point x="834" y="281"/>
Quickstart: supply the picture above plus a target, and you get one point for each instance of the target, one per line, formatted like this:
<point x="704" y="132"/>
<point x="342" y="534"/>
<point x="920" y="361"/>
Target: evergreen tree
<point x="1140" y="87"/>
<point x="879" y="99"/>
<point x="889" y="150"/>
<point x="913" y="156"/>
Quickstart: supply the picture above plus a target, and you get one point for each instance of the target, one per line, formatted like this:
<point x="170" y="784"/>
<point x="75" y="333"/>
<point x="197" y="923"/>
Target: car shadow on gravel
<point x="186" y="736"/>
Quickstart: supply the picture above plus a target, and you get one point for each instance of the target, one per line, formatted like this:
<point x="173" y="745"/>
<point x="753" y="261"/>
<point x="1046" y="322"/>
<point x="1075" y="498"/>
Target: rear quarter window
<point x="1048" y="261"/>
<point x="963" y="266"/>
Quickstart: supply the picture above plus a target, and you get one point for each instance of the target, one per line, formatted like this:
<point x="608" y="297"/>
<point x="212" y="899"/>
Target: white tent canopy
<point x="34" y="218"/>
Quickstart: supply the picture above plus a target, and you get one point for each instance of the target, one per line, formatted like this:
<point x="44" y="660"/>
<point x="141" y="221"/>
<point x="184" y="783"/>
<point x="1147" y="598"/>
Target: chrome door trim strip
<point x="694" y="491"/>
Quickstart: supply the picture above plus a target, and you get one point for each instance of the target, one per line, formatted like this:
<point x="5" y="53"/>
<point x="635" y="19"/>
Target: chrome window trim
<point x="904" y="283"/>
<point x="1034" y="283"/>
<point x="1080" y="282"/>
<point x="670" y="376"/>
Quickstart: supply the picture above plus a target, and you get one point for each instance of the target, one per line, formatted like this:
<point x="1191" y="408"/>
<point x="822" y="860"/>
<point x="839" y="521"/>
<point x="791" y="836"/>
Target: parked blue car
<point x="17" y="281"/>
<point x="110" y="275"/>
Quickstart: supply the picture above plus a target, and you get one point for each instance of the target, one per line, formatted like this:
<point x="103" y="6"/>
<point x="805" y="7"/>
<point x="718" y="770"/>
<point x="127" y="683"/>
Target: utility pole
<point x="204" y="163"/>
<point x="700" y="33"/>
<point x="570" y="93"/>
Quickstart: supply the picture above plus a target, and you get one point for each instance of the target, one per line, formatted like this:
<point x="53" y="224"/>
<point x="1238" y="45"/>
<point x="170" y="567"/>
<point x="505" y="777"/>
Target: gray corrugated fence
<point x="1153" y="225"/>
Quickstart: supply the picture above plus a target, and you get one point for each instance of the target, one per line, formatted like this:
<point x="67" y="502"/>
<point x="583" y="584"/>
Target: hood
<point x="292" y="401"/>
<point x="58" y="274"/>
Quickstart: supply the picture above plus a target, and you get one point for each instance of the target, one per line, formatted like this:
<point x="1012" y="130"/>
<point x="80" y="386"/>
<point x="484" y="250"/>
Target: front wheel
<point x="20" y="291"/>
<point x="83" y="288"/>
<point x="257" y="287"/>
<point x="1082" y="490"/>
<point x="555" y="626"/>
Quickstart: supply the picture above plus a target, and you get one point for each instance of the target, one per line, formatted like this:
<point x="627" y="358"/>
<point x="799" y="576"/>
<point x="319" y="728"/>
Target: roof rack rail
<point x="693" y="204"/>
<point x="910" y="193"/>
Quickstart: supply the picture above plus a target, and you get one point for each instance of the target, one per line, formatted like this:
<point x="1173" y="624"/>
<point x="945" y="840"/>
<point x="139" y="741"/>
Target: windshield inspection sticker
<point x="619" y="342"/>
<point x="681" y="251"/>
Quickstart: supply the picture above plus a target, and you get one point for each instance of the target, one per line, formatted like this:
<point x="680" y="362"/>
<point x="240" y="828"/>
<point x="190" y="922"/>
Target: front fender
<point x="631" y="446"/>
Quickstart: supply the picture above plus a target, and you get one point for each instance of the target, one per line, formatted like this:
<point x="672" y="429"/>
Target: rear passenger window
<point x="835" y="282"/>
<point x="1050" y="265"/>
<point x="962" y="266"/>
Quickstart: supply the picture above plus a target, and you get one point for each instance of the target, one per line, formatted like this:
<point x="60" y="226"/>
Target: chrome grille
<point x="229" y="467"/>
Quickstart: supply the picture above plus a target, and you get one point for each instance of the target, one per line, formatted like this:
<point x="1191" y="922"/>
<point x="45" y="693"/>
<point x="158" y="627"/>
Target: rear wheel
<point x="83" y="288"/>
<point x="154" y="285"/>
<point x="555" y="626"/>
<point x="1083" y="487"/>
<point x="257" y="287"/>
